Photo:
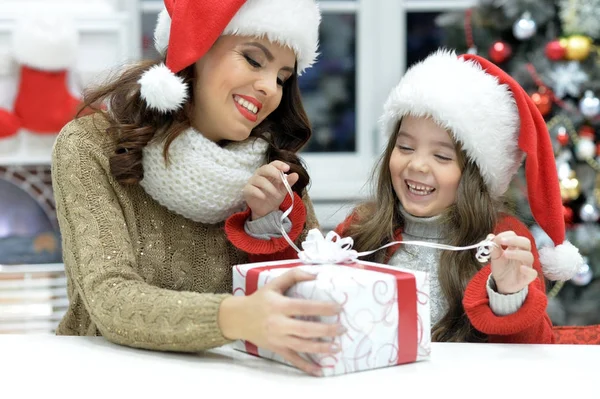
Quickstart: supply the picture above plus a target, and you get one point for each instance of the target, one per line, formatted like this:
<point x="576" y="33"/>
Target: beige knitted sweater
<point x="138" y="274"/>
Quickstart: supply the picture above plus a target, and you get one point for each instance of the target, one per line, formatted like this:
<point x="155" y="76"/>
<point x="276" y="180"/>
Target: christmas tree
<point x="550" y="48"/>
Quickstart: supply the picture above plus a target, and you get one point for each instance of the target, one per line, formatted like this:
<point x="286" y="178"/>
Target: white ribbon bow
<point x="332" y="248"/>
<point x="327" y="249"/>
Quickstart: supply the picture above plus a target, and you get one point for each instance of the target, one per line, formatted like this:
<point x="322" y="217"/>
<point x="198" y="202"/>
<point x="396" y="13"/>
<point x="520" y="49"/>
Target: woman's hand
<point x="265" y="191"/>
<point x="266" y="318"/>
<point x="512" y="263"/>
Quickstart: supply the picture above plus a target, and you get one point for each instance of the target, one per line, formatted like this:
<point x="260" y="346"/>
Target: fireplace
<point x="32" y="278"/>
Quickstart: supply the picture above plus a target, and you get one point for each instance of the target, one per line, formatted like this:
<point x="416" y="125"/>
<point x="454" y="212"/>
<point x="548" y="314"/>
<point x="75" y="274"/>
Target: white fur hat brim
<point x="291" y="23"/>
<point x="47" y="43"/>
<point x="482" y="116"/>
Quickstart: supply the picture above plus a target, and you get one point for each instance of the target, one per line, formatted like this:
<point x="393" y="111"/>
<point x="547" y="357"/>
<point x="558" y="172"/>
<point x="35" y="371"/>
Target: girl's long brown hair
<point x="469" y="220"/>
<point x="133" y="125"/>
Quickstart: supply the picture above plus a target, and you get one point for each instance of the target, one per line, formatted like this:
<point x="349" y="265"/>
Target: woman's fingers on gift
<point x="289" y="278"/>
<point x="307" y="307"/>
<point x="311" y="329"/>
<point x="302" y="345"/>
<point x="299" y="362"/>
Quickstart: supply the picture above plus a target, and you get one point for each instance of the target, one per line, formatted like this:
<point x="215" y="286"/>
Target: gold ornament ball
<point x="578" y="47"/>
<point x="570" y="188"/>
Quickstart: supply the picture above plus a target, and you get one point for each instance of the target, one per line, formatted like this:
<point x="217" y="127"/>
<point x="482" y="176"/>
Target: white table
<point x="45" y="366"/>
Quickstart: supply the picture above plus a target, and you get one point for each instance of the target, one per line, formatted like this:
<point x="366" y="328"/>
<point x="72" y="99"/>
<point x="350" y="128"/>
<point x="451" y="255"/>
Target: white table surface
<point x="46" y="366"/>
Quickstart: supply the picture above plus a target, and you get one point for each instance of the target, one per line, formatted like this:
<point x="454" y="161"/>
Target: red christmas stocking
<point x="45" y="48"/>
<point x="9" y="124"/>
<point x="44" y="103"/>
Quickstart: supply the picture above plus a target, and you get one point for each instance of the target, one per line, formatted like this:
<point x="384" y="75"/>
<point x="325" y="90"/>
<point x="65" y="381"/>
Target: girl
<point x="143" y="188"/>
<point x="458" y="130"/>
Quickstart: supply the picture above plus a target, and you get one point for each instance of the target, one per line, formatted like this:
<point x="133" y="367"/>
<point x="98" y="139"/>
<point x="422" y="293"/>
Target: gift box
<point x="385" y="311"/>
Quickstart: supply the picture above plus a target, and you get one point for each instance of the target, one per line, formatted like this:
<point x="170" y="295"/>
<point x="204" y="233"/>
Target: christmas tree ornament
<point x="542" y="100"/>
<point x="585" y="149"/>
<point x="563" y="166"/>
<point x="500" y="52"/>
<point x="586" y="146"/>
<point x="525" y="27"/>
<point x="562" y="136"/>
<point x="555" y="50"/>
<point x="589" y="105"/>
<point x="578" y="47"/>
<point x="585" y="274"/>
<point x="568" y="215"/>
<point x="569" y="187"/>
<point x="589" y="212"/>
<point x="563" y="169"/>
<point x="567" y="79"/>
<point x="587" y="131"/>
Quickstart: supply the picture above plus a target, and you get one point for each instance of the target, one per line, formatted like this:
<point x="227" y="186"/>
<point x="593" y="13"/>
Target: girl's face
<point x="424" y="167"/>
<point x="239" y="82"/>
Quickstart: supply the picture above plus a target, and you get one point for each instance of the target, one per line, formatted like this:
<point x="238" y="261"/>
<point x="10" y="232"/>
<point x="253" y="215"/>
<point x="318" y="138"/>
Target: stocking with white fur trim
<point x="45" y="48"/>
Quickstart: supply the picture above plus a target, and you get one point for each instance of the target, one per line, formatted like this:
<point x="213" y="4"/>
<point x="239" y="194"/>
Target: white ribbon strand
<point x="332" y="248"/>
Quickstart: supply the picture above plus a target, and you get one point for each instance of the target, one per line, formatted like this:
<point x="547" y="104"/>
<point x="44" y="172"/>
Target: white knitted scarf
<point x="202" y="181"/>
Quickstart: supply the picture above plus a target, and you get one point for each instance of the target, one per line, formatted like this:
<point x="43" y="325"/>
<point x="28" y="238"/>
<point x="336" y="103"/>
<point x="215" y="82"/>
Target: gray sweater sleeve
<point x="504" y="305"/>
<point x="267" y="227"/>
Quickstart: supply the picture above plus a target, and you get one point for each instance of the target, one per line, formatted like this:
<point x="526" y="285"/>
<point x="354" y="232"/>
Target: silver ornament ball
<point x="589" y="213"/>
<point x="585" y="274"/>
<point x="589" y="105"/>
<point x="525" y="27"/>
<point x="586" y="149"/>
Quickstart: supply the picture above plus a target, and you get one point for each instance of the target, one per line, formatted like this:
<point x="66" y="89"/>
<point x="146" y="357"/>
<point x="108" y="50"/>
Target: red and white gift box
<point x="385" y="311"/>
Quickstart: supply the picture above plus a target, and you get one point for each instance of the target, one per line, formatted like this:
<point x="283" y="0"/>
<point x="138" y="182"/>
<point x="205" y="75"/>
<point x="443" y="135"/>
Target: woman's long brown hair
<point x="469" y="220"/>
<point x="133" y="124"/>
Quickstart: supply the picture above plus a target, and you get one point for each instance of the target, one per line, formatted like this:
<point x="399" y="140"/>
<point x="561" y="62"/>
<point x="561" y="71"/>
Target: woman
<point x="143" y="189"/>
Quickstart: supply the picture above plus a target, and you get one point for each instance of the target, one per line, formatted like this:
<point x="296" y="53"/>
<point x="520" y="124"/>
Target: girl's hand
<point x="512" y="263"/>
<point x="267" y="319"/>
<point x="265" y="191"/>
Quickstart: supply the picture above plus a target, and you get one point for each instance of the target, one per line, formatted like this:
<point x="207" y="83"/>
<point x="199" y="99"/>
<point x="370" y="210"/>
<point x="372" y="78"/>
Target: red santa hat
<point x="197" y="24"/>
<point x="498" y="126"/>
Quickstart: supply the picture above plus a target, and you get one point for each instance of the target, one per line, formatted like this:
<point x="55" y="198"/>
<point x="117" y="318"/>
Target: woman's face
<point x="239" y="82"/>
